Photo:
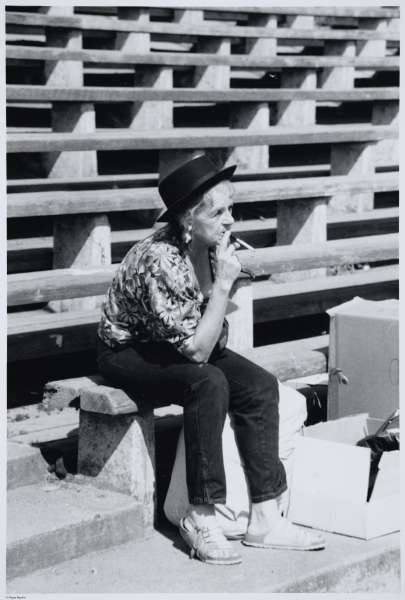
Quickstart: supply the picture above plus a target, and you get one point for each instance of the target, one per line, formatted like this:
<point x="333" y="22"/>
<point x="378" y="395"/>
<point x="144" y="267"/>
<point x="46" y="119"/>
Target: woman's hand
<point x="228" y="264"/>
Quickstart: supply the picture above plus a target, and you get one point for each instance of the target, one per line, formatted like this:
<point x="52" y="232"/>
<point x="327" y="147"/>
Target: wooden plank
<point x="35" y="254"/>
<point x="273" y="301"/>
<point x="311" y="256"/>
<point x="151" y="179"/>
<point x="347" y="12"/>
<point x="56" y="334"/>
<point x="94" y="201"/>
<point x="44" y="286"/>
<point x="116" y="94"/>
<point x="58" y="284"/>
<point x="211" y="30"/>
<point x="203" y="137"/>
<point x="316" y="11"/>
<point x="292" y="359"/>
<point x="49" y="335"/>
<point x="173" y="59"/>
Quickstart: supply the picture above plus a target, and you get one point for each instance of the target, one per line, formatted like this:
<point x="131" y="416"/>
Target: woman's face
<point x="210" y="224"/>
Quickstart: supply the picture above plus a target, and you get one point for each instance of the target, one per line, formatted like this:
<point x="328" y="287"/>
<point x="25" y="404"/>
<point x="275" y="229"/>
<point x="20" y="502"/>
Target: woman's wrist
<point x="223" y="286"/>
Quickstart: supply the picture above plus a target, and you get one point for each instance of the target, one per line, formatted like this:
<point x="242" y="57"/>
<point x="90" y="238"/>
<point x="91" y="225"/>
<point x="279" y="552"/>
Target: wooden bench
<point x="46" y="334"/>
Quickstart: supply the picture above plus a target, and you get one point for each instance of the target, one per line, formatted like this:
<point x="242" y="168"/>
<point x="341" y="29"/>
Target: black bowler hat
<point x="188" y="181"/>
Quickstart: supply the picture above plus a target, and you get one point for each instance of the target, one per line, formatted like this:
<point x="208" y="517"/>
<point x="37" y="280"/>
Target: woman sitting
<point x="163" y="334"/>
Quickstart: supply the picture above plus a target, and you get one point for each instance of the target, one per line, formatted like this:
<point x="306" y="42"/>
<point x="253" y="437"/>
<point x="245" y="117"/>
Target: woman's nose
<point x="229" y="220"/>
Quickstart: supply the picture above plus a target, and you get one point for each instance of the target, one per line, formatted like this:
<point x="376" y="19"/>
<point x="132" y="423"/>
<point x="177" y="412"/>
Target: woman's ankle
<point x="263" y="516"/>
<point x="202" y="515"/>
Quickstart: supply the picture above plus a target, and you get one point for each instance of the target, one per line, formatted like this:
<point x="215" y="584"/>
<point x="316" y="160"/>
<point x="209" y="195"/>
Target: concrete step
<point x="161" y="564"/>
<point x="37" y="438"/>
<point x="52" y="522"/>
<point x="25" y="465"/>
<point x="44" y="438"/>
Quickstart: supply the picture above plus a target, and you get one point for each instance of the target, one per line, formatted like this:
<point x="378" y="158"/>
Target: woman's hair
<point x="180" y="222"/>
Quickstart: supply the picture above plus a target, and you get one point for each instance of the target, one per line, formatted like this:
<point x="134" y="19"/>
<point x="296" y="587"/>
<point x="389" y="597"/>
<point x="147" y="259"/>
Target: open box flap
<point x="388" y="478"/>
<point x="348" y="430"/>
<point x="331" y="468"/>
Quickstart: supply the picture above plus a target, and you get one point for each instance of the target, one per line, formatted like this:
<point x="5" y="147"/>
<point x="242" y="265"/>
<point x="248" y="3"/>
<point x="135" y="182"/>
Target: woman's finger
<point x="224" y="242"/>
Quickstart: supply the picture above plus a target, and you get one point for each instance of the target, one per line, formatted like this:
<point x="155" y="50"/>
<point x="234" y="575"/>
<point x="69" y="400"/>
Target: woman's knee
<point x="212" y="388"/>
<point x="266" y="386"/>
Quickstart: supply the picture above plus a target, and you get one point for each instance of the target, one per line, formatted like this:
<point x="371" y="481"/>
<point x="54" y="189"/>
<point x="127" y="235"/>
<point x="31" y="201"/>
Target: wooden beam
<point x="167" y="58"/>
<point x="116" y="94"/>
<point x="45" y="335"/>
<point x="316" y="11"/>
<point x="35" y="254"/>
<point x="292" y="359"/>
<point x="209" y="30"/>
<point x="44" y="286"/>
<point x="273" y="301"/>
<point x="31" y="204"/>
<point x="151" y="179"/>
<point x="202" y="137"/>
<point x="328" y="254"/>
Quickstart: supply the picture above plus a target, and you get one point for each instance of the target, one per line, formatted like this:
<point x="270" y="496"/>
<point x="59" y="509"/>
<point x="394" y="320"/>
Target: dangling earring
<point x="187" y="237"/>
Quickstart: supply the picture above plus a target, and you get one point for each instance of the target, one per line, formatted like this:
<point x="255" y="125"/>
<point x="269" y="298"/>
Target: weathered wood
<point x="49" y="335"/>
<point x="197" y="137"/>
<point x="327" y="254"/>
<point x="173" y="59"/>
<point x="23" y="287"/>
<point x="94" y="201"/>
<point x="239" y="13"/>
<point x="119" y="94"/>
<point x="287" y="300"/>
<point x="316" y="11"/>
<point x="27" y="288"/>
<point x="291" y="360"/>
<point x="107" y="24"/>
<point x="151" y="179"/>
<point x="67" y="332"/>
<point x="35" y="254"/>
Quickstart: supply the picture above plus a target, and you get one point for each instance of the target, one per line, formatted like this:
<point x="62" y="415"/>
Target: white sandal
<point x="206" y="541"/>
<point x="286" y="536"/>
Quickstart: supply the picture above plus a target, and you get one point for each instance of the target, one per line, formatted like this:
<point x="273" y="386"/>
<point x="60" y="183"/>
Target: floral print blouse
<point x="154" y="296"/>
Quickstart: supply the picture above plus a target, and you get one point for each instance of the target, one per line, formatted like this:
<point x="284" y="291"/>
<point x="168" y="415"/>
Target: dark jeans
<point x="228" y="382"/>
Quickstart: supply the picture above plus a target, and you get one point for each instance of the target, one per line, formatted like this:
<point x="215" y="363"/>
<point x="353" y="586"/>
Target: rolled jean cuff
<point x="270" y="495"/>
<point x="197" y="500"/>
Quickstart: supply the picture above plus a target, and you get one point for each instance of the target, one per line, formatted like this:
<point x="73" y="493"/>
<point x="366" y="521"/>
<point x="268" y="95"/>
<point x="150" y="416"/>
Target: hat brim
<point x="214" y="180"/>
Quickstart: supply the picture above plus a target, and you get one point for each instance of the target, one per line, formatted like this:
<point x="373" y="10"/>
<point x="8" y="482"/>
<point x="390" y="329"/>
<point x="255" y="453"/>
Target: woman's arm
<point x="201" y="344"/>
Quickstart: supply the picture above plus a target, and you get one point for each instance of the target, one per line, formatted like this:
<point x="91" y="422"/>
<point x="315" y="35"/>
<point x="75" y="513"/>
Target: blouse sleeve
<point x="174" y="300"/>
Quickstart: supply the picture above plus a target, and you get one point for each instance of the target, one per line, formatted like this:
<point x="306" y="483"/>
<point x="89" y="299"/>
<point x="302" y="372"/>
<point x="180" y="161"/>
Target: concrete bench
<point x="117" y="429"/>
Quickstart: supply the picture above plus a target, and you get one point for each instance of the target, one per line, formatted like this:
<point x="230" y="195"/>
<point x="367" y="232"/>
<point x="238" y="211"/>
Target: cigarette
<point x="241" y="242"/>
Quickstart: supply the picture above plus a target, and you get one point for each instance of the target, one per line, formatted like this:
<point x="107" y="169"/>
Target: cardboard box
<point x="364" y="344"/>
<point x="330" y="481"/>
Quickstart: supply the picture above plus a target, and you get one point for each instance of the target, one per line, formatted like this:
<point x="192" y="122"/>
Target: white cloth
<point x="233" y="516"/>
